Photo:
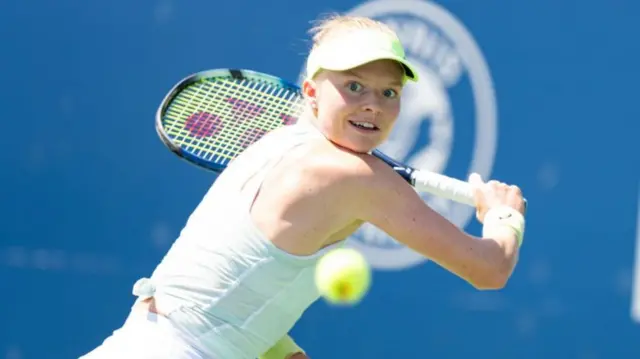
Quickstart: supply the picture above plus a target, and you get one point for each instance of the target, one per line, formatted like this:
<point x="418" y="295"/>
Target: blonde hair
<point x="334" y="25"/>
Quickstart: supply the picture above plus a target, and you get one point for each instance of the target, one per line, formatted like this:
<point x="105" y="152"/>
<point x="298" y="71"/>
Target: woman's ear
<point x="309" y="90"/>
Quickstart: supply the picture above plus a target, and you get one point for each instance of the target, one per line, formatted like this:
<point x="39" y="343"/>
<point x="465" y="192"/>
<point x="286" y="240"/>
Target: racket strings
<point x="191" y="121"/>
<point x="217" y="119"/>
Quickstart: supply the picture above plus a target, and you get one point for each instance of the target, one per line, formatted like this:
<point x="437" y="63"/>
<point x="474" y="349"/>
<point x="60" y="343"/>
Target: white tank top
<point x="223" y="283"/>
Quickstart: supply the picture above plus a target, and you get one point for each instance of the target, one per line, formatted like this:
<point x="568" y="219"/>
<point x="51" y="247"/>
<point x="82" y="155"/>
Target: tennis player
<point x="240" y="275"/>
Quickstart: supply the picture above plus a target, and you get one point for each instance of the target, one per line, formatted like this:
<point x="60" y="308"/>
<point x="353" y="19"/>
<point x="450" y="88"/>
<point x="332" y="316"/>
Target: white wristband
<point x="504" y="216"/>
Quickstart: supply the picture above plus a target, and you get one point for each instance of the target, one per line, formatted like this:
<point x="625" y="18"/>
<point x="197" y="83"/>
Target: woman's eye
<point x="390" y="93"/>
<point x="354" y="86"/>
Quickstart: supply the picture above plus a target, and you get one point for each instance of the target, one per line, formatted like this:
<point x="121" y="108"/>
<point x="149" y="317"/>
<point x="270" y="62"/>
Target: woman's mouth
<point x="363" y="125"/>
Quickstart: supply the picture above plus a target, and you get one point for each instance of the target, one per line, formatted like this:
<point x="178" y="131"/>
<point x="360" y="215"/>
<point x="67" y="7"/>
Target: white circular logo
<point x="454" y="84"/>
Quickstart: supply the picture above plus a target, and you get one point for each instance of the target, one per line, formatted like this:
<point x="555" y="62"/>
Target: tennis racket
<point x="210" y="117"/>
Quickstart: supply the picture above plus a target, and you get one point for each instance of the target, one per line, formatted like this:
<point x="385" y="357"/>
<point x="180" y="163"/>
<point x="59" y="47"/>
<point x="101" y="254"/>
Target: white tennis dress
<point x="228" y="292"/>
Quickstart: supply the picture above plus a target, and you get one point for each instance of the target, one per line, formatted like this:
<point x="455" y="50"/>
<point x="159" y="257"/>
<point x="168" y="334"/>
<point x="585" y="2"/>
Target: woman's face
<point x="357" y="109"/>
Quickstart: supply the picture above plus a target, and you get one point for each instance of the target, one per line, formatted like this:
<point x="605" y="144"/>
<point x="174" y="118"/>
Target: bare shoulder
<point x="335" y="162"/>
<point x="325" y="176"/>
<point x="311" y="197"/>
<point x="362" y="175"/>
<point x="330" y="167"/>
<point x="319" y="163"/>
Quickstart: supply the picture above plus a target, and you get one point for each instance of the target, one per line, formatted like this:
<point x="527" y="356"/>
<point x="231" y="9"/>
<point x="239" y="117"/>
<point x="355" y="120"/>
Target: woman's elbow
<point x="495" y="278"/>
<point x="497" y="271"/>
<point x="495" y="282"/>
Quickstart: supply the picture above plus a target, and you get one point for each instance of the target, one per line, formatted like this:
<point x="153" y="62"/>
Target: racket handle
<point x="443" y="186"/>
<point x="434" y="183"/>
<point x="446" y="187"/>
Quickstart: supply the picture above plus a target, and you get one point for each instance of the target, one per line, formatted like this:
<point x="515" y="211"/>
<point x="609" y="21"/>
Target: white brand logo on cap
<point x="453" y="97"/>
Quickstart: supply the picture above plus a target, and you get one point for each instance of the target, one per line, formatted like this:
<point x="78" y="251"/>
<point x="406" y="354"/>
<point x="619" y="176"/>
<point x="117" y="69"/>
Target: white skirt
<point x="145" y="335"/>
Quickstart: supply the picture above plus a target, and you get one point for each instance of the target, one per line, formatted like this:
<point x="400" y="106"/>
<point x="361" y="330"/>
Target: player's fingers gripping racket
<point x="210" y="117"/>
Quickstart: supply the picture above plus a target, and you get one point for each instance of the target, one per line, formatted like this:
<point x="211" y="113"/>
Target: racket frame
<point x="236" y="74"/>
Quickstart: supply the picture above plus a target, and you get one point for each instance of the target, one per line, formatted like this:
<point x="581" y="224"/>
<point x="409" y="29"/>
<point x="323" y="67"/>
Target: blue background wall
<point x="90" y="200"/>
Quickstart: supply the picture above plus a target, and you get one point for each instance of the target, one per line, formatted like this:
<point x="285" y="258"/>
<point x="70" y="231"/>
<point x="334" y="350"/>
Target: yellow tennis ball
<point x="343" y="276"/>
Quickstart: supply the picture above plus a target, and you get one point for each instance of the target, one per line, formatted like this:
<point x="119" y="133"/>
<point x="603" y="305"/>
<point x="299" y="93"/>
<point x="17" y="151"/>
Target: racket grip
<point x="446" y="187"/>
<point x="443" y="186"/>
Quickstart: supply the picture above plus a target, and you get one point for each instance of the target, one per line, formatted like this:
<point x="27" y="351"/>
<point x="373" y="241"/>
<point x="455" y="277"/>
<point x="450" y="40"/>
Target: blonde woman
<point x="237" y="279"/>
